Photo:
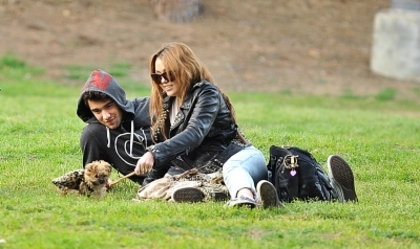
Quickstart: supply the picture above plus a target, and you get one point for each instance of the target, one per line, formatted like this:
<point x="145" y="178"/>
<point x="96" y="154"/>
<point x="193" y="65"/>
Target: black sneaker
<point x="187" y="194"/>
<point x="267" y="194"/>
<point x="342" y="178"/>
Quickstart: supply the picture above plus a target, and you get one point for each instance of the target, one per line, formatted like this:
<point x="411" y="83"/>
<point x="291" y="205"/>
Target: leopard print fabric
<point x="70" y="180"/>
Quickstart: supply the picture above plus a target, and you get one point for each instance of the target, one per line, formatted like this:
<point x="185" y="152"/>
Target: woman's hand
<point x="144" y="164"/>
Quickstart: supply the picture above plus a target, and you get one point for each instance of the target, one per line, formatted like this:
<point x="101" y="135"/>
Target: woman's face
<point x="165" y="79"/>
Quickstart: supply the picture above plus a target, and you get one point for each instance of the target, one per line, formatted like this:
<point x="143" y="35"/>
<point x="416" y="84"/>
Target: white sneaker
<point x="241" y="201"/>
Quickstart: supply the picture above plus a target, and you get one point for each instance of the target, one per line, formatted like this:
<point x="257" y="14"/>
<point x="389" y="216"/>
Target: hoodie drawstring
<point x="108" y="137"/>
<point x="131" y="138"/>
<point x="145" y="138"/>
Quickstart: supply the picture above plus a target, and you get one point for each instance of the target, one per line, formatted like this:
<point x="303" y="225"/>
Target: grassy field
<point x="377" y="135"/>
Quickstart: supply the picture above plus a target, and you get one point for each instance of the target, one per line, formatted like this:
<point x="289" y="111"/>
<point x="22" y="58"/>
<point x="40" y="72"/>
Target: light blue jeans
<point x="244" y="170"/>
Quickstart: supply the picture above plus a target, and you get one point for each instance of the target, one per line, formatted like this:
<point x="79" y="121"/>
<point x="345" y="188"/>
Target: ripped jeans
<point x="244" y="170"/>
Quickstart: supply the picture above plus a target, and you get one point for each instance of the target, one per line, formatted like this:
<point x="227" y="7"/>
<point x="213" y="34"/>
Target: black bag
<point x="298" y="176"/>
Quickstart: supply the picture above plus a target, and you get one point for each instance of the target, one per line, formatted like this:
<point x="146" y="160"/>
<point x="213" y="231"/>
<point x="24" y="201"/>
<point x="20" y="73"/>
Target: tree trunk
<point x="179" y="11"/>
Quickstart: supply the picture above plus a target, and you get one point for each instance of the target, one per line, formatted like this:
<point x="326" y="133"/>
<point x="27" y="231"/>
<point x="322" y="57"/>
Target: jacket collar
<point x="167" y="100"/>
<point x="186" y="105"/>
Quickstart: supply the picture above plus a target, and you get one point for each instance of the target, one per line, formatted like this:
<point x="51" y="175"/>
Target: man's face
<point x="106" y="112"/>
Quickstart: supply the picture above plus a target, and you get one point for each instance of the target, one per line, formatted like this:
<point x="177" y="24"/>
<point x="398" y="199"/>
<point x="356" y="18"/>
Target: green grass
<point x="386" y="94"/>
<point x="39" y="135"/>
<point x="80" y="73"/>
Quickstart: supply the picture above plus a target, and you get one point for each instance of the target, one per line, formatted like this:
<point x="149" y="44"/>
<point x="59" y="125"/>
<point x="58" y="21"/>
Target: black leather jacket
<point x="203" y="134"/>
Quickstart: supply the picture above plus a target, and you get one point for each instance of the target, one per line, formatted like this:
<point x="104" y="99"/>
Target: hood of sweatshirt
<point x="136" y="112"/>
<point x="101" y="81"/>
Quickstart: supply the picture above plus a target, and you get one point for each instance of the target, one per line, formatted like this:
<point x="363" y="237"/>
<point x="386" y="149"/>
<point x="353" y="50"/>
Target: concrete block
<point x="396" y="44"/>
<point x="405" y="4"/>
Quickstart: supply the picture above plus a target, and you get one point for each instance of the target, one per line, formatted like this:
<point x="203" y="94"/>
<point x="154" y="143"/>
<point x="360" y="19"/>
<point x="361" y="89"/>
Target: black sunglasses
<point x="157" y="78"/>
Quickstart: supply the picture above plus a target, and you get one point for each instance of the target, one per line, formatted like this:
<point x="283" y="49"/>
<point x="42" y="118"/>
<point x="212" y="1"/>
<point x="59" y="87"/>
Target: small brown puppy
<point x="90" y="181"/>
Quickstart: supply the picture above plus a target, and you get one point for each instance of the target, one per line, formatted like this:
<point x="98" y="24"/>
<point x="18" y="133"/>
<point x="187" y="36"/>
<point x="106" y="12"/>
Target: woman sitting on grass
<point x="194" y="126"/>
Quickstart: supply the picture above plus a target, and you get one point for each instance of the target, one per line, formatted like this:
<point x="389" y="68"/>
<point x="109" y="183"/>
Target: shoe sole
<point x="342" y="178"/>
<point x="241" y="202"/>
<point x="267" y="194"/>
<point x="187" y="194"/>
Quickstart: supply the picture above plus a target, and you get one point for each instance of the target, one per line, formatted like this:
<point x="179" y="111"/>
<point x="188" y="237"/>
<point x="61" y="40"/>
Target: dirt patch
<point x="305" y="46"/>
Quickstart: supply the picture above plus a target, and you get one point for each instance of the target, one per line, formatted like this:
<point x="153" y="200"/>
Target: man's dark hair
<point x="94" y="95"/>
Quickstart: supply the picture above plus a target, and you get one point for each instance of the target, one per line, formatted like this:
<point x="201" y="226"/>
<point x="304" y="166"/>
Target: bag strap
<point x="286" y="158"/>
<point x="290" y="162"/>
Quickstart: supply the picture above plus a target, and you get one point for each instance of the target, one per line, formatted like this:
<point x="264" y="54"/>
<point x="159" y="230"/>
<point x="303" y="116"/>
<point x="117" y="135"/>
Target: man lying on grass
<point x="117" y="130"/>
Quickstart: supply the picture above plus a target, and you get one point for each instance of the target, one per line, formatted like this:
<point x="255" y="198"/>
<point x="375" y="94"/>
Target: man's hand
<point x="144" y="164"/>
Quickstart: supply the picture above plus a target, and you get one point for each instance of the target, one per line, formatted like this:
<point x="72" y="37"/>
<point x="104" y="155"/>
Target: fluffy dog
<point x="90" y="181"/>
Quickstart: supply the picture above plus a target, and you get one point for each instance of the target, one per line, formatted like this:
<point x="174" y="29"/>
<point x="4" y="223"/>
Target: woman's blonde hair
<point x="187" y="70"/>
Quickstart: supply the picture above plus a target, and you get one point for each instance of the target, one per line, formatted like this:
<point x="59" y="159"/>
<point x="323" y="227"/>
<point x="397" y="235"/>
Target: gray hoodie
<point x="124" y="145"/>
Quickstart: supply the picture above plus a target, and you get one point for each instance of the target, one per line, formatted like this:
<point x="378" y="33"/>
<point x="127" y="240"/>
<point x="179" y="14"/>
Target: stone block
<point x="396" y="44"/>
